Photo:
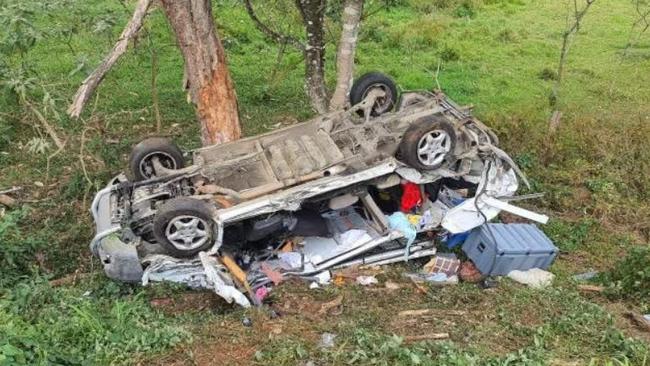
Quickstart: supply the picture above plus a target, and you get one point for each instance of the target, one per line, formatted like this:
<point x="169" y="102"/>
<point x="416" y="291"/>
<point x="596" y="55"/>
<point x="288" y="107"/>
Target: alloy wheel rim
<point x="187" y="232"/>
<point x="433" y="147"/>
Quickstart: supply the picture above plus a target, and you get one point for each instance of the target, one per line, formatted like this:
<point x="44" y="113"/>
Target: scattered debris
<point x="421" y="289"/>
<point x="591" y="288"/>
<point x="247" y="322"/>
<point x="534" y="277"/>
<point x="421" y="312"/>
<point x="426" y="337"/>
<point x="204" y="272"/>
<point x="327" y="307"/>
<point x="367" y="280"/>
<point x="436" y="279"/>
<point x="70" y="279"/>
<point x="469" y="273"/>
<point x="327" y="340"/>
<point x="586" y="276"/>
<point x="389" y="285"/>
<point x="488" y="283"/>
<point x="261" y="294"/>
<point x="444" y="263"/>
<point x="641" y="321"/>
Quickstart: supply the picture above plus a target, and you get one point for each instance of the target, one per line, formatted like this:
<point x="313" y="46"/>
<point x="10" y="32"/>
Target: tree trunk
<point x="313" y="14"/>
<point x="210" y="85"/>
<point x="352" y="10"/>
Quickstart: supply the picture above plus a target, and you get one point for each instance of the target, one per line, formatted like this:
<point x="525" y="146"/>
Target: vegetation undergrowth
<point x="498" y="55"/>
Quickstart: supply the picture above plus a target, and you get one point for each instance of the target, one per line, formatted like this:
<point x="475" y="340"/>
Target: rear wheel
<point x="375" y="81"/>
<point x="428" y="143"/>
<point x="183" y="226"/>
<point x="143" y="155"/>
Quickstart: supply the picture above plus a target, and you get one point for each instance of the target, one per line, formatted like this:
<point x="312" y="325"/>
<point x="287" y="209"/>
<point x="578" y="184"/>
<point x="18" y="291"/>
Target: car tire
<point x="364" y="84"/>
<point x="140" y="160"/>
<point x="428" y="143"/>
<point x="183" y="226"/>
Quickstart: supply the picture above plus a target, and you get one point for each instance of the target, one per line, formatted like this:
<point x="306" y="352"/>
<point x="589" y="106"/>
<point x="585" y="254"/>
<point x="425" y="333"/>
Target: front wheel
<point x="428" y="143"/>
<point x="184" y="226"/>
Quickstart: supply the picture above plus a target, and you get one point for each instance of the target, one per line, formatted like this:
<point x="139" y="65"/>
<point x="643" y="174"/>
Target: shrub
<point x="630" y="278"/>
<point x="16" y="251"/>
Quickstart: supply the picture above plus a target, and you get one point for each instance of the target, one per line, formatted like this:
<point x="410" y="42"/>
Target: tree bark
<point x="91" y="83"/>
<point x="352" y="10"/>
<point x="313" y="16"/>
<point x="210" y="85"/>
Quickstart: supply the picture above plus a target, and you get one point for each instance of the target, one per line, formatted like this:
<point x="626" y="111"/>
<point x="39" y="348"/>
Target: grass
<point x="499" y="55"/>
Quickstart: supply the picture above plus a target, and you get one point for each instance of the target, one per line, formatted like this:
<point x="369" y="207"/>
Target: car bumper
<point x="120" y="260"/>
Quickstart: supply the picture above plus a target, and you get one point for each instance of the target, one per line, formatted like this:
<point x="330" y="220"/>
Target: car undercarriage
<point x="302" y="200"/>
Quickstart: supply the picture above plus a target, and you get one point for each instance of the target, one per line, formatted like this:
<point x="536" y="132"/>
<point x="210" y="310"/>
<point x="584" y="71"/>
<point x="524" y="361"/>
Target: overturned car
<point x="362" y="186"/>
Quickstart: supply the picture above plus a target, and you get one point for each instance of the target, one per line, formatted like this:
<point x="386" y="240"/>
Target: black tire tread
<point x="409" y="144"/>
<point x="360" y="86"/>
<point x="149" y="145"/>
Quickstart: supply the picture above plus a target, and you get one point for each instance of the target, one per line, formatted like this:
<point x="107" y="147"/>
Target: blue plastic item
<point x="398" y="221"/>
<point x="497" y="249"/>
<point x="454" y="240"/>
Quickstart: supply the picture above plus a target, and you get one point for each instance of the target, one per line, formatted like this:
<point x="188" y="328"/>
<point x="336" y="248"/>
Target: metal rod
<point x="380" y="257"/>
<point x="420" y="254"/>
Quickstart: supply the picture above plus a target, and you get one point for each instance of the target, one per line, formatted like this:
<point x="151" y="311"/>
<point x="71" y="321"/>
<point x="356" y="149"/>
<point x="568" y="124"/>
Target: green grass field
<point x="499" y="55"/>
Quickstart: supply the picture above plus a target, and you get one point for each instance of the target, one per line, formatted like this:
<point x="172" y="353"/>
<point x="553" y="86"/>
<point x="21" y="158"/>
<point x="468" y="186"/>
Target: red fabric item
<point x="411" y="197"/>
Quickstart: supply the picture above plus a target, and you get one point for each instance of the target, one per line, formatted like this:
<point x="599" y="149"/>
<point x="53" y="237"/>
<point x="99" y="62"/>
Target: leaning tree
<point x="208" y="80"/>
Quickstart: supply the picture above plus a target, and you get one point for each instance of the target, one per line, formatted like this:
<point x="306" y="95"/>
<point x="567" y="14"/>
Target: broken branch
<point x="91" y="83"/>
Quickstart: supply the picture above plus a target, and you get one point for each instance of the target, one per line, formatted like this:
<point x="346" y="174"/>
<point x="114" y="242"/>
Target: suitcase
<point x="497" y="249"/>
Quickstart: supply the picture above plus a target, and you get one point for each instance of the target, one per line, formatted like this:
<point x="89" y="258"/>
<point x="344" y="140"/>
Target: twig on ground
<point x="421" y="312"/>
<point x="591" y="288"/>
<point x="426" y="337"/>
<point x="11" y="190"/>
<point x="81" y="154"/>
